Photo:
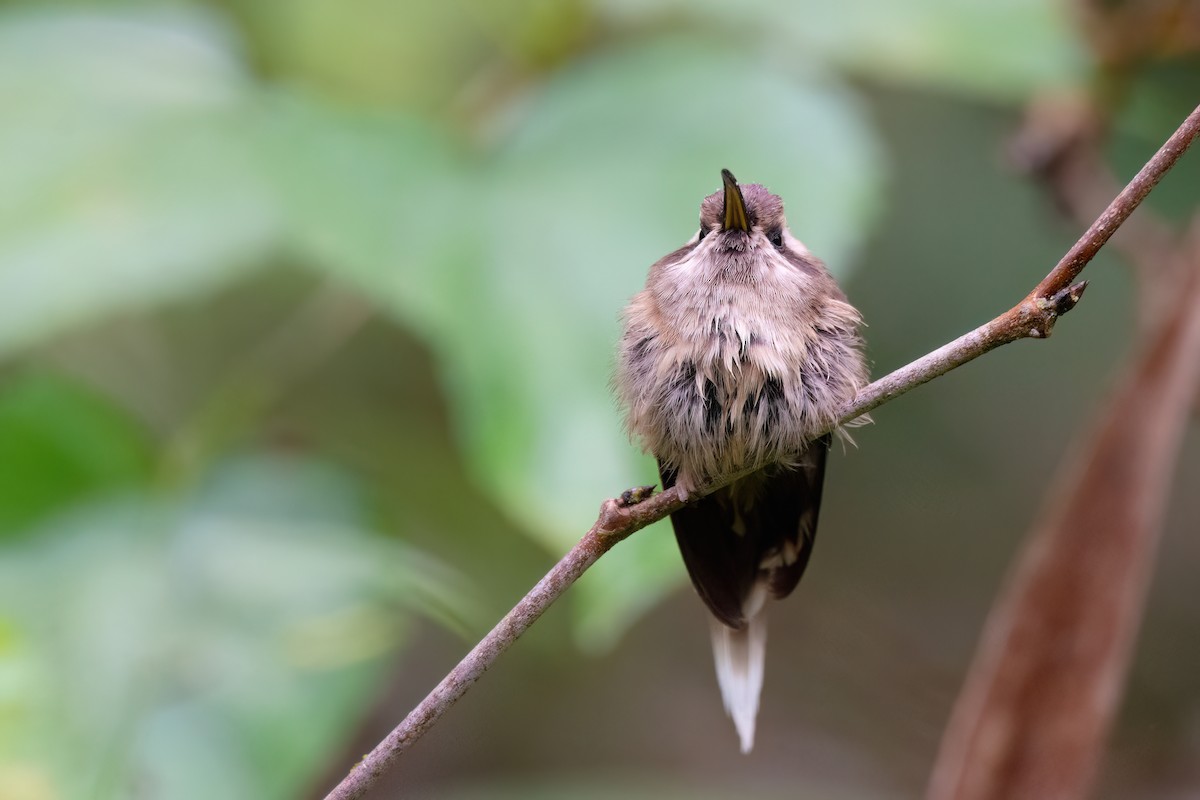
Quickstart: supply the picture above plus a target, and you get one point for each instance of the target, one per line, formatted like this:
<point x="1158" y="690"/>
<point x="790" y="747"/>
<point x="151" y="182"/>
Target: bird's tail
<point x="740" y="655"/>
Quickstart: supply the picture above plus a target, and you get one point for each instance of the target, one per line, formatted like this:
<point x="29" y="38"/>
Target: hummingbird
<point x="734" y="358"/>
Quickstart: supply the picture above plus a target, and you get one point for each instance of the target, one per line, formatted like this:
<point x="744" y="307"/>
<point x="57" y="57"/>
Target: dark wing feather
<point x="721" y="564"/>
<point x="776" y="509"/>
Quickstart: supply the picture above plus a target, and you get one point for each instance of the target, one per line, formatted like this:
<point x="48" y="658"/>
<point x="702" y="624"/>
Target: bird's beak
<point x="735" y="205"/>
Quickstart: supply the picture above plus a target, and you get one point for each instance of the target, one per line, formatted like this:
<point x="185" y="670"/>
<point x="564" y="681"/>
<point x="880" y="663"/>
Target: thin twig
<point x="1032" y="317"/>
<point x="1131" y="196"/>
<point x="1060" y="145"/>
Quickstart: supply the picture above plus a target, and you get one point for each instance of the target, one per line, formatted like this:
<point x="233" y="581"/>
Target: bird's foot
<point x="631" y="497"/>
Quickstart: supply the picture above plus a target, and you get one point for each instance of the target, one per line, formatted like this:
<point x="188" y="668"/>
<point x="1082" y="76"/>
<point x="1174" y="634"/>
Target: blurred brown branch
<point x="1047" y="678"/>
<point x="1033" y="317"/>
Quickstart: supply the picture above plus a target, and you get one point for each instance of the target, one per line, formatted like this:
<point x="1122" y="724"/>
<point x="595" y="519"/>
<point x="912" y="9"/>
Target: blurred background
<point x="307" y="311"/>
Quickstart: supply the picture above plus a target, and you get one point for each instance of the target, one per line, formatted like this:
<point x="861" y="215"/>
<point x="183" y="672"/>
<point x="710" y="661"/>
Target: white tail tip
<point x="740" y="656"/>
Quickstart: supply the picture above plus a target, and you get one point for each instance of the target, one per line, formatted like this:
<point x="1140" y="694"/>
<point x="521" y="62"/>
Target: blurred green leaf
<point x="420" y="53"/>
<point x="965" y="45"/>
<point x="219" y="646"/>
<point x="379" y="198"/>
<point x="127" y="166"/>
<point x="60" y="443"/>
<point x="417" y="51"/>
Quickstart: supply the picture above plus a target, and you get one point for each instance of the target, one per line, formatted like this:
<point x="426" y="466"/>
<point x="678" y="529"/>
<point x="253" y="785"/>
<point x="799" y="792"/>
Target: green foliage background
<point x="306" y="319"/>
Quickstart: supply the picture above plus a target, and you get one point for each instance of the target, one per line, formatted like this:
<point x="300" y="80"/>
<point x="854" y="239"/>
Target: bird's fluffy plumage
<point x="740" y="348"/>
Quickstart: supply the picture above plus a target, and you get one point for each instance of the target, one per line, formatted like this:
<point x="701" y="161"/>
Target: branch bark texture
<point x="1033" y="317"/>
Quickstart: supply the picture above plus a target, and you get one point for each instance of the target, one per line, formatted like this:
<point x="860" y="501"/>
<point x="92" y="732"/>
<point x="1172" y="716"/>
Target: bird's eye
<point x="703" y="232"/>
<point x="775" y="237"/>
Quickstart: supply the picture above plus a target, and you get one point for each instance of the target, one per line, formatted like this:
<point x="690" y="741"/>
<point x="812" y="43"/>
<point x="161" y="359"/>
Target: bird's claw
<point x="631" y="497"/>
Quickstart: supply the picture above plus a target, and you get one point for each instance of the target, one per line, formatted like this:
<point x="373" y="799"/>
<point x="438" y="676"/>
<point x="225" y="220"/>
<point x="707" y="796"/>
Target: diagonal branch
<point x="1033" y="317"/>
<point x="1119" y="209"/>
<point x="1061" y="146"/>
